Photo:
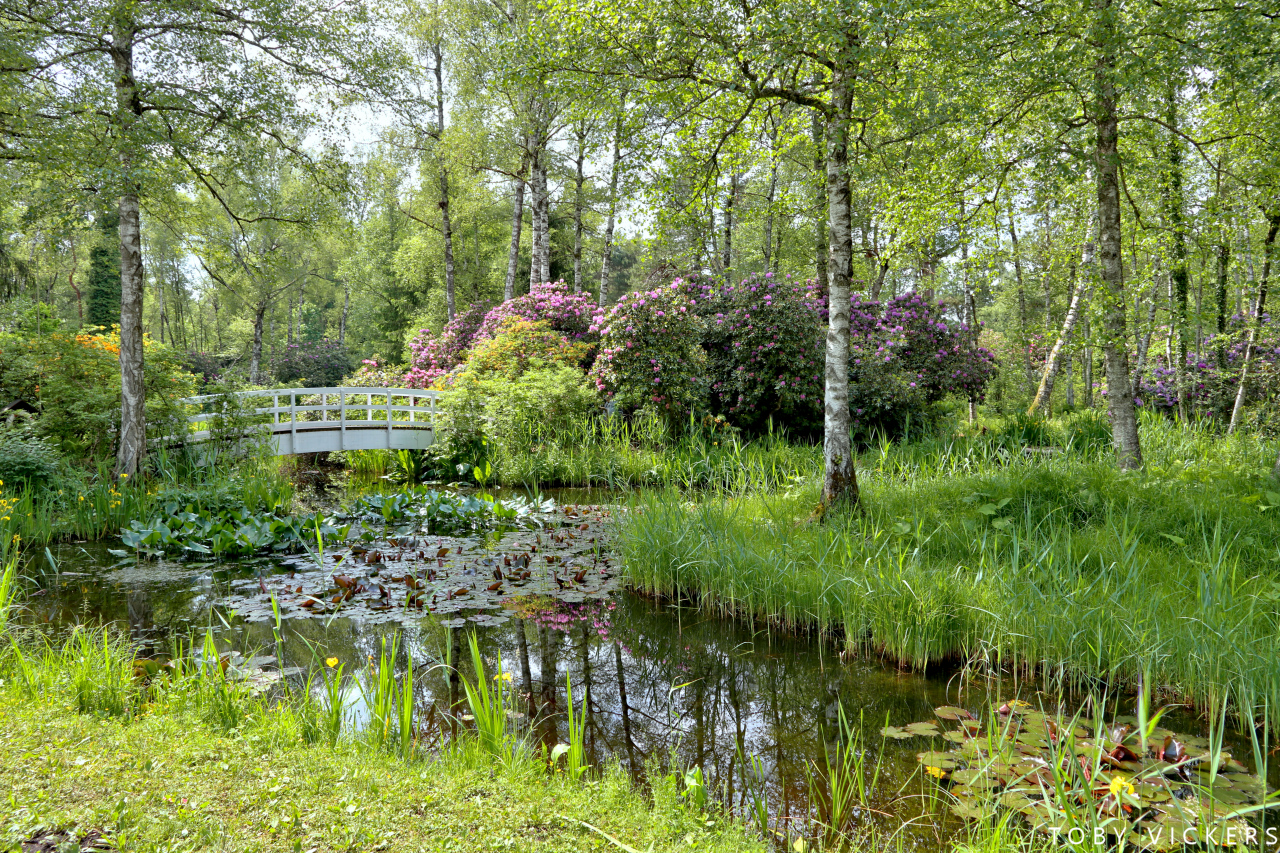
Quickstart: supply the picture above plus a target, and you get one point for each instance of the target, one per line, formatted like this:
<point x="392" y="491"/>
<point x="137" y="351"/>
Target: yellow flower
<point x="124" y="476"/>
<point x="936" y="772"/>
<point x="505" y="676"/>
<point x="331" y="662"/>
<point x="1120" y="786"/>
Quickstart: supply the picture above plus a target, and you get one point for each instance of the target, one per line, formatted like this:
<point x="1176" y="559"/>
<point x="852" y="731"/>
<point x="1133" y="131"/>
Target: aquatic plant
<point x="487" y="700"/>
<point x="235" y="532"/>
<point x="1126" y="781"/>
<point x="435" y="511"/>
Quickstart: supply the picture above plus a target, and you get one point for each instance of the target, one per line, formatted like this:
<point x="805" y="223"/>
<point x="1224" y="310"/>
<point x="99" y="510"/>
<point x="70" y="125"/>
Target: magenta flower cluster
<point x="1210" y="378"/>
<point x="903" y="356"/>
<point x="571" y="314"/>
<point x="651" y="352"/>
<point x="764" y="343"/>
<point x="431" y="357"/>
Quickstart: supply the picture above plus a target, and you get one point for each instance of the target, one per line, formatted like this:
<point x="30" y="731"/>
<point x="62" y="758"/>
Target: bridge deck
<point x="313" y="420"/>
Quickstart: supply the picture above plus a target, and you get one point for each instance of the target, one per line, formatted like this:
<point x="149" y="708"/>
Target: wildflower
<point x="331" y="662"/>
<point x="1121" y="786"/>
<point x="504" y="677"/>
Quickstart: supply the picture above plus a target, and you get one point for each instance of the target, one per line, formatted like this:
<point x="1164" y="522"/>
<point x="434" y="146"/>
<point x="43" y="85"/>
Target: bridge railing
<point x="294" y="410"/>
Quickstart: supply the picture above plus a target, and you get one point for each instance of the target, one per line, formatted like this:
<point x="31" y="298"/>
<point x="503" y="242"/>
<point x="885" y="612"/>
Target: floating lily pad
<point x="951" y="712"/>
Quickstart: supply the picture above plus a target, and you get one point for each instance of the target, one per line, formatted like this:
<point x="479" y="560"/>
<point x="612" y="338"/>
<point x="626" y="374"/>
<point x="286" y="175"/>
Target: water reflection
<point x="659" y="682"/>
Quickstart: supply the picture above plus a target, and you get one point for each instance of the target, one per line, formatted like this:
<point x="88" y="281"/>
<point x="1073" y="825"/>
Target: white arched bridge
<point x="313" y="420"/>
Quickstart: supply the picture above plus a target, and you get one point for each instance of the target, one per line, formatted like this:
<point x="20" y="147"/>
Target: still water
<point x="664" y="685"/>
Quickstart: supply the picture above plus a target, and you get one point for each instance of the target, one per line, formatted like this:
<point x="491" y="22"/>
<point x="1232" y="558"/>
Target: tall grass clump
<point x="971" y="550"/>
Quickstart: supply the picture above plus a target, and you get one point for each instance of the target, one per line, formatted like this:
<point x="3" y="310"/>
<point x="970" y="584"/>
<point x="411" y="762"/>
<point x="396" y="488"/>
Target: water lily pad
<point x="951" y="712"/>
<point x="940" y="760"/>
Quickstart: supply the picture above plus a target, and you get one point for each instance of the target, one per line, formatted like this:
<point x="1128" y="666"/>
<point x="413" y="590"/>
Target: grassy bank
<point x="165" y="781"/>
<point x="96" y="742"/>
<point x="91" y="506"/>
<point x="971" y="549"/>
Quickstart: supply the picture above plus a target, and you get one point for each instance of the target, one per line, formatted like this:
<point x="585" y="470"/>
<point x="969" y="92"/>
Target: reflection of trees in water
<point x="652" y="679"/>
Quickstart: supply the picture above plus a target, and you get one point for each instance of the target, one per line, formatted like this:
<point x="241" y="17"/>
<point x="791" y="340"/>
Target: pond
<point x="664" y="685"/>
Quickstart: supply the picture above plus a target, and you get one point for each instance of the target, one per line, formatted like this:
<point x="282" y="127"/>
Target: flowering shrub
<point x="73" y="383"/>
<point x="320" y="363"/>
<point x="431" y="357"/>
<point x="204" y="365"/>
<point x="903" y="357"/>
<point x="651" y="354"/>
<point x="570" y="314"/>
<point x="1210" y="385"/>
<point x="373" y="373"/>
<point x="764" y="345"/>
<point x="523" y="344"/>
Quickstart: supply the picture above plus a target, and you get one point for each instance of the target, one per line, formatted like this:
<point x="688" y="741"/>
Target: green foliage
<point x="520" y="346"/>
<point x="233" y="532"/>
<point x="520" y="389"/>
<point x="968" y="549"/>
<point x="27" y="461"/>
<point x="73" y="382"/>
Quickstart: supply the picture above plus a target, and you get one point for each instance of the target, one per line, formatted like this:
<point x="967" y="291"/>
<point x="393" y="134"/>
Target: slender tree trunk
<point x="770" y="199"/>
<point x="970" y="302"/>
<point x="1259" y="307"/>
<point x="1223" y="261"/>
<point x="71" y="280"/>
<point x="540" y="239"/>
<point x="728" y="228"/>
<point x="578" y="179"/>
<point x="446" y="226"/>
<point x="255" y="354"/>
<point x="1025" y="340"/>
<point x="1120" y="404"/>
<point x="132" y="449"/>
<point x="606" y="257"/>
<point x="517" y="223"/>
<point x="839" y="482"/>
<point x="1044" y="394"/>
<point x="346" y="311"/>
<point x="1086" y="364"/>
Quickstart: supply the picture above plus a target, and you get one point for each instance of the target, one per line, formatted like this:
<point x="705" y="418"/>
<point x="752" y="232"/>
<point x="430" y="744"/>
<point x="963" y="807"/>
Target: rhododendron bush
<point x="431" y="357"/>
<point x="1209" y="384"/>
<point x="753" y="352"/>
<point x="571" y="314"/>
<point x="764" y="341"/>
<point x="903" y="357"/>
<point x="651" y="354"/>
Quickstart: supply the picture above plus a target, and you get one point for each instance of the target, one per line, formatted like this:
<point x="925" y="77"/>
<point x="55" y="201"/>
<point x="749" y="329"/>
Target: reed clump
<point x="971" y="550"/>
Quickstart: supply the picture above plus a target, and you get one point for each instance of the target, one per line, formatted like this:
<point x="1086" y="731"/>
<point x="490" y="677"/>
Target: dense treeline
<point x="1091" y="191"/>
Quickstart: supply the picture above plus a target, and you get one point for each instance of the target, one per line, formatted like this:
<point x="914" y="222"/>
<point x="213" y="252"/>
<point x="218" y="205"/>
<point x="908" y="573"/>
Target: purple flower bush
<point x="765" y="351"/>
<point x="904" y="357"/>
<point x="571" y="314"/>
<point x="431" y="357"/>
<point x="651" y="354"/>
<point x="205" y="365"/>
<point x="320" y="363"/>
<point x="1211" y="384"/>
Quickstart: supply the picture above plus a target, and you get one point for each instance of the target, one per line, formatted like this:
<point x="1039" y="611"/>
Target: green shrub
<point x="27" y="461"/>
<point x="73" y="382"/>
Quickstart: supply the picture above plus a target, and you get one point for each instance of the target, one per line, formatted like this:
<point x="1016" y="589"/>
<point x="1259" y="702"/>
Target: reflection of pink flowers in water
<point x="565" y="616"/>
